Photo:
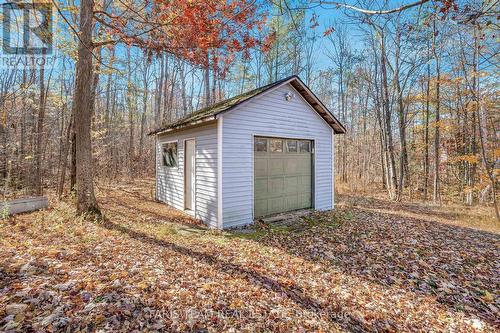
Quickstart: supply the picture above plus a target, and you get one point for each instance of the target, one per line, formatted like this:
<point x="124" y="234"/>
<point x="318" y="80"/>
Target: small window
<point x="304" y="146"/>
<point x="260" y="144"/>
<point x="169" y="154"/>
<point x="291" y="146"/>
<point x="276" y="145"/>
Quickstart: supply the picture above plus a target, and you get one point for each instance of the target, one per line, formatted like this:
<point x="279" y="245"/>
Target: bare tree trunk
<point x="72" y="177"/>
<point x="39" y="131"/>
<point x="22" y="149"/>
<point x="167" y="116"/>
<point x="144" y="109"/>
<point x="108" y="92"/>
<point x="214" y="80"/>
<point x="62" y="126"/>
<point x="130" y="106"/>
<point x="436" y="197"/>
<point x="426" y="129"/>
<point x="387" y="117"/>
<point x="64" y="158"/>
<point x="403" y="157"/>
<point x="107" y="111"/>
<point x="383" y="163"/>
<point x="3" y="143"/>
<point x="207" y="82"/>
<point x="159" y="92"/>
<point x="86" y="201"/>
<point x="95" y="80"/>
<point x="173" y="79"/>
<point x="183" y="87"/>
<point x="484" y="155"/>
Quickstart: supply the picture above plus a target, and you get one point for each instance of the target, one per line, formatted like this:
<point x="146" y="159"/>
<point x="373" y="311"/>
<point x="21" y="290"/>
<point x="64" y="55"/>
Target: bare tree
<point x="84" y="105"/>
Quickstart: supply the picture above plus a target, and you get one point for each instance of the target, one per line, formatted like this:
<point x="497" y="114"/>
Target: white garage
<point x="267" y="151"/>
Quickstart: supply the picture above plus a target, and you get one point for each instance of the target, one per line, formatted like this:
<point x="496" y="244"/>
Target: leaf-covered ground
<point x="147" y="267"/>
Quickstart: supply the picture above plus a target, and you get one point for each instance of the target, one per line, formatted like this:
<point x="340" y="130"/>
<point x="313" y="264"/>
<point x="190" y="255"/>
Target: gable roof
<point x="210" y="112"/>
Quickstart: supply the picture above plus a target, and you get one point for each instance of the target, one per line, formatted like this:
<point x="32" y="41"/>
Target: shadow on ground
<point x="293" y="292"/>
<point x="458" y="266"/>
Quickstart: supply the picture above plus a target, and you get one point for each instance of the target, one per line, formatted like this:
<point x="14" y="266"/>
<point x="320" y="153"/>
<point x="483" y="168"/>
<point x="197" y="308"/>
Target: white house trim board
<point x="253" y="174"/>
<point x="220" y="125"/>
<point x="156" y="166"/>
<point x="313" y="174"/>
<point x="282" y="137"/>
<point x="333" y="169"/>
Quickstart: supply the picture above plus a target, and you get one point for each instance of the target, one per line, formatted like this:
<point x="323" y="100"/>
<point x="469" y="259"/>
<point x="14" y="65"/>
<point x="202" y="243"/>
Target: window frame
<point x="255" y="145"/>
<point x="270" y="146"/>
<point x="162" y="160"/>
<point x="296" y="145"/>
<point x="309" y="144"/>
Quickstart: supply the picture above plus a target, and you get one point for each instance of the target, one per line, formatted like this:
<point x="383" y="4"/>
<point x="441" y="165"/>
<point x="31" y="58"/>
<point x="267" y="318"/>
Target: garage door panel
<point x="276" y="205"/>
<point x="276" y="186"/>
<point x="276" y="166"/>
<point x="261" y="187"/>
<point x="304" y="163"/>
<point x="291" y="202"/>
<point x="261" y="167"/>
<point x="291" y="184"/>
<point x="305" y="181"/>
<point x="261" y="208"/>
<point x="304" y="200"/>
<point x="292" y="166"/>
<point x="282" y="177"/>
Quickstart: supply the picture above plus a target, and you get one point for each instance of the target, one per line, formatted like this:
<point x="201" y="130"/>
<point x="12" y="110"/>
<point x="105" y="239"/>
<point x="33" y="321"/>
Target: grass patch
<point x="166" y="230"/>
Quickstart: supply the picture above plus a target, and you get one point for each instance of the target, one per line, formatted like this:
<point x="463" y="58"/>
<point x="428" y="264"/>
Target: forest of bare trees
<point x="417" y="90"/>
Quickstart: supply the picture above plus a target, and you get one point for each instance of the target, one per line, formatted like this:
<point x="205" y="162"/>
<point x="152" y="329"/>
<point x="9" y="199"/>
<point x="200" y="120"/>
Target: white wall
<point x="170" y="181"/>
<point x="270" y="115"/>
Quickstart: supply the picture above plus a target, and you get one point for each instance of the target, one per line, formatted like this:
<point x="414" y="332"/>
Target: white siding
<point x="170" y="181"/>
<point x="270" y="115"/>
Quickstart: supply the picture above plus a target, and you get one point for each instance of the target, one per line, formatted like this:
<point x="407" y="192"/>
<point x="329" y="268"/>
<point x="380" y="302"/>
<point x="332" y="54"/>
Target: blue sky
<point x="326" y="16"/>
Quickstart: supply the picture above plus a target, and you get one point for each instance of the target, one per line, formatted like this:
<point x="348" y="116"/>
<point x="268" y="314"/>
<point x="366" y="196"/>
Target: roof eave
<point x="183" y="126"/>
<point x="317" y="105"/>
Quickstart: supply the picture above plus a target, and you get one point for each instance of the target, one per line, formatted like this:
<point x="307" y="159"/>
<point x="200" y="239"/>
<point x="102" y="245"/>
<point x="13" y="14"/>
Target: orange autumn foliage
<point x="205" y="32"/>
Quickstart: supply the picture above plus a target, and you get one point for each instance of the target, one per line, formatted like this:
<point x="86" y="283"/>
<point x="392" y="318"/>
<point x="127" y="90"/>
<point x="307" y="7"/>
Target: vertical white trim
<point x="194" y="192"/>
<point x="314" y="189"/>
<point x="156" y="167"/>
<point x="220" y="222"/>
<point x="333" y="169"/>
<point x="253" y="174"/>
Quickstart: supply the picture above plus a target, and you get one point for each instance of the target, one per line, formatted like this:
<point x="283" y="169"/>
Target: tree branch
<point x="371" y="12"/>
<point x="77" y="35"/>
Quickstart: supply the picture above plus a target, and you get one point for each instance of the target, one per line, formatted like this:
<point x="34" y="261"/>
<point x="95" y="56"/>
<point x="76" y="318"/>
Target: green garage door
<point x="282" y="175"/>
